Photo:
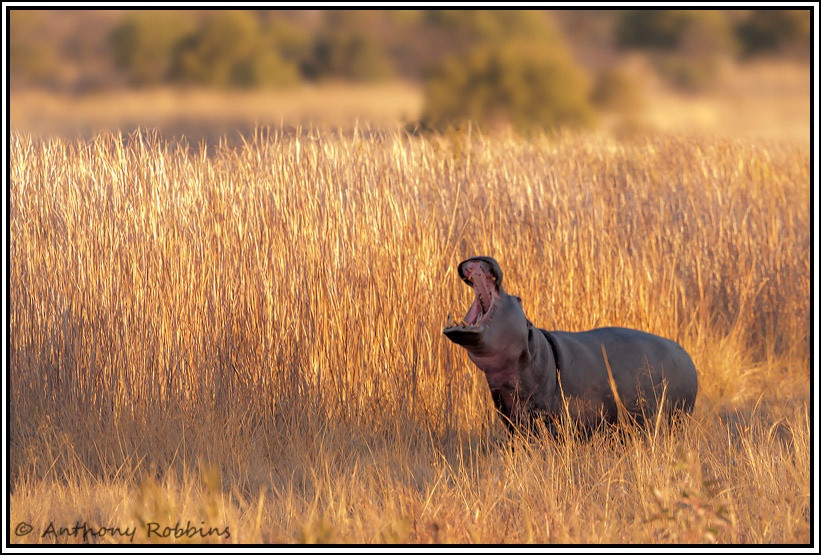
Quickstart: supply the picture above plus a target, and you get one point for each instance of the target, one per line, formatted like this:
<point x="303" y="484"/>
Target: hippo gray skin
<point x="532" y="372"/>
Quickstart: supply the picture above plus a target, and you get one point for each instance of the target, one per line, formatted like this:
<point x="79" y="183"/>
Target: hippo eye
<point x="518" y="299"/>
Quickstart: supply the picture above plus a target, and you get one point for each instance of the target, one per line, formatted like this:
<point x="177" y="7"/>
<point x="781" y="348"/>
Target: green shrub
<point x="521" y="83"/>
<point x="687" y="44"/>
<point x="349" y="55"/>
<point x="689" y="74"/>
<point x="347" y="49"/>
<point x="144" y="43"/>
<point x="471" y="27"/>
<point x="705" y="31"/>
<point x="215" y="54"/>
<point x="31" y="59"/>
<point x="615" y="91"/>
<point x="775" y="31"/>
<point x="230" y="50"/>
<point x="265" y="68"/>
<point x="291" y="41"/>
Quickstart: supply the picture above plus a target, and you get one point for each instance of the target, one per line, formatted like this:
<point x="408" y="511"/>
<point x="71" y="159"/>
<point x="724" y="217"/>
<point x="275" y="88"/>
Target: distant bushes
<point x="510" y="68"/>
<point x="224" y="49"/>
<point x="466" y="28"/>
<point x="229" y="49"/>
<point x="241" y="49"/>
<point x="346" y="51"/>
<point x="687" y="45"/>
<point x="487" y="65"/>
<point x="675" y="30"/>
<point x="747" y="32"/>
<point x="615" y="91"/>
<point x="143" y="44"/>
<point x="31" y="60"/>
<point x="518" y="83"/>
<point x="776" y="31"/>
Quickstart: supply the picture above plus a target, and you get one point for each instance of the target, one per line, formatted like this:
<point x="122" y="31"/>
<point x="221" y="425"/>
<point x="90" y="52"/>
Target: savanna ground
<point x="247" y="338"/>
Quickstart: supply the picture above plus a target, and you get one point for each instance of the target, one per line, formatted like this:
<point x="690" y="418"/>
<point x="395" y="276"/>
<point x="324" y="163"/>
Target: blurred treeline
<point x="543" y="67"/>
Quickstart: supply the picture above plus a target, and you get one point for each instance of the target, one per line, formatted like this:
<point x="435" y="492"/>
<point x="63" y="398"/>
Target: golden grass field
<point x="248" y="340"/>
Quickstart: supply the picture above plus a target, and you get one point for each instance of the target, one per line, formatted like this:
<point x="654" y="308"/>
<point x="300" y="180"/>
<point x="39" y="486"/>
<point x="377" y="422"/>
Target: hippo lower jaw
<point x="466" y="334"/>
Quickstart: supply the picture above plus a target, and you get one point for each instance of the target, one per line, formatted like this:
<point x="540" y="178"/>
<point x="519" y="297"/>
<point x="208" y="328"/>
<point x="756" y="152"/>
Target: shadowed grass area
<point x="251" y="338"/>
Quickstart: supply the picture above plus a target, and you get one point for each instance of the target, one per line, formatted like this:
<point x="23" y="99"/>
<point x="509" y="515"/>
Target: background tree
<point x="347" y="49"/>
<point x="521" y="83"/>
<point x="31" y="61"/>
<point x="686" y="46"/>
<point x="776" y="31"/>
<point x="230" y="50"/>
<point x="144" y="44"/>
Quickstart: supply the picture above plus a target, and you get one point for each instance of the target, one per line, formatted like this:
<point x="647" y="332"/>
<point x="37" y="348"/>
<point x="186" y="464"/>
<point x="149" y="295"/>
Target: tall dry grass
<point x="251" y="337"/>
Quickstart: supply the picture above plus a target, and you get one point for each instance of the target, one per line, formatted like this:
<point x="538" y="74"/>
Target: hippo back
<point x="645" y="369"/>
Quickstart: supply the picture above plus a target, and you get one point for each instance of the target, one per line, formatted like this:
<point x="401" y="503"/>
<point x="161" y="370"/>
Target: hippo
<point x="596" y="377"/>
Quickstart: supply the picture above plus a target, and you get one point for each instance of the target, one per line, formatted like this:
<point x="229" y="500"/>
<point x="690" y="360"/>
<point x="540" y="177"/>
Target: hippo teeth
<point x="476" y="317"/>
<point x="487" y="314"/>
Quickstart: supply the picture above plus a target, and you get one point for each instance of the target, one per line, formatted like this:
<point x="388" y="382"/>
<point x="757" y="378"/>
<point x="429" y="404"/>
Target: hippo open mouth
<point x="485" y="276"/>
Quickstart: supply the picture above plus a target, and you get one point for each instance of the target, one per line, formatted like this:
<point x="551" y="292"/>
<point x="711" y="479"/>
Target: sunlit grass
<point x="251" y="337"/>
